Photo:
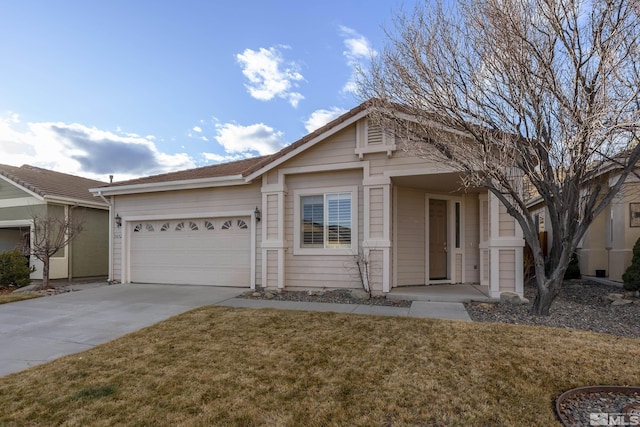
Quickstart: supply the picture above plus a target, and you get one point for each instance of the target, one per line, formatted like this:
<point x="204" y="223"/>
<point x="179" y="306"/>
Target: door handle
<point x="445" y="247"/>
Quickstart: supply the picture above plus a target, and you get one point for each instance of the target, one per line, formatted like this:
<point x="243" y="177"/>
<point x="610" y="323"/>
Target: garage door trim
<point x="126" y="238"/>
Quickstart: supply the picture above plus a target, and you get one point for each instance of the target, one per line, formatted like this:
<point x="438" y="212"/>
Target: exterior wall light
<point x="118" y="220"/>
<point x="257" y="214"/>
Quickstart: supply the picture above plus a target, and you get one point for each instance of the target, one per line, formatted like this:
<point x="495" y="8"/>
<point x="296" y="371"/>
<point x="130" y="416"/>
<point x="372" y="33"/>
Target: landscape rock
<point x="312" y="293"/>
<point x="360" y="293"/>
<point x="621" y="302"/>
<point x="613" y="297"/>
<point x="268" y="295"/>
<point x="511" y="298"/>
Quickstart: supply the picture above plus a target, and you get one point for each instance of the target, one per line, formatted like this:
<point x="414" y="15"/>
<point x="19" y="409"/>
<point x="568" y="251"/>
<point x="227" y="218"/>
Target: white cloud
<point x="197" y="129"/>
<point x="359" y="50"/>
<point x="218" y="158"/>
<point x="319" y="118"/>
<point x="85" y="151"/>
<point x="248" y="140"/>
<point x="269" y="76"/>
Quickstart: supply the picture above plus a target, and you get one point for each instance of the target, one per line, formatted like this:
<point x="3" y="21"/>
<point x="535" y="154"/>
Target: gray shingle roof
<point x="45" y="182"/>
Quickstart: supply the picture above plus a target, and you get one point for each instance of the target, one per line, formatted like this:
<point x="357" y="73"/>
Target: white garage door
<point x="194" y="252"/>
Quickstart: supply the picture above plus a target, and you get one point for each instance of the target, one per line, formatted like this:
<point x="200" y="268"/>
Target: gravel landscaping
<point x="581" y="305"/>
<point x="338" y="296"/>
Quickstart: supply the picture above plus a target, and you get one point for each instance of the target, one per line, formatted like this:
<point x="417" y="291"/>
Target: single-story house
<point x="606" y="248"/>
<point x="299" y="218"/>
<point x="29" y="191"/>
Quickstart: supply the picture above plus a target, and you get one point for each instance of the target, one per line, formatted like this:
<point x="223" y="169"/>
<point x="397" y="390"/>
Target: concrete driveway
<point x="42" y="329"/>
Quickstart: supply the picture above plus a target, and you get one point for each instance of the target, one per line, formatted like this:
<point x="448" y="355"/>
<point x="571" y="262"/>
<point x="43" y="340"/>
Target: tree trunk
<point x="45" y="273"/>
<point x="547" y="292"/>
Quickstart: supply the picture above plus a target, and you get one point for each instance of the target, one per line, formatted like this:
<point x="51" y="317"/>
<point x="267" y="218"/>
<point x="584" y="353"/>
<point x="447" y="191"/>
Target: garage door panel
<point x="200" y="252"/>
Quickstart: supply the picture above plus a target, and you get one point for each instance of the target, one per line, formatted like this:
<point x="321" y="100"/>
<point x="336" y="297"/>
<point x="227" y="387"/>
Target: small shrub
<point x="14" y="269"/>
<point x="573" y="269"/>
<point x="631" y="277"/>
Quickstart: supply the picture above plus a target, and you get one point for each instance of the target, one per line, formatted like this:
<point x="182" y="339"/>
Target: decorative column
<point x="505" y="245"/>
<point x="273" y="243"/>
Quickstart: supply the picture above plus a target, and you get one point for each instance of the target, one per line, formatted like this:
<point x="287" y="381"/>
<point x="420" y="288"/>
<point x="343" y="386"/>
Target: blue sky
<point x="135" y="88"/>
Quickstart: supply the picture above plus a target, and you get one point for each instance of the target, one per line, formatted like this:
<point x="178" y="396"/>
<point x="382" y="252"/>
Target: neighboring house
<point x="606" y="248"/>
<point x="26" y="191"/>
<point x="297" y="219"/>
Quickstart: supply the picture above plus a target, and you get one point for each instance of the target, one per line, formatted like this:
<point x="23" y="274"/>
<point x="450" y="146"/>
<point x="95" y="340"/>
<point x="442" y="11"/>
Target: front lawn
<point x="225" y="366"/>
<point x="7" y="298"/>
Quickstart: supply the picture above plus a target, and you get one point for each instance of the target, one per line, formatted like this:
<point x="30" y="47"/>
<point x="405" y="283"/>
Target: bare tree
<point x="544" y="91"/>
<point x="52" y="233"/>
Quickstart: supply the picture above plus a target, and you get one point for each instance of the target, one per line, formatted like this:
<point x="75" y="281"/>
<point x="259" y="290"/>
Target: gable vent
<point x="374" y="136"/>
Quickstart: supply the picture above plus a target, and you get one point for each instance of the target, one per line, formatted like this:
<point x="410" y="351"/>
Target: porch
<point x="460" y="243"/>
<point x="442" y="293"/>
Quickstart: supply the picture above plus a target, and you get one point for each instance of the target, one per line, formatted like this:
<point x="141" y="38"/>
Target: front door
<point x="437" y="239"/>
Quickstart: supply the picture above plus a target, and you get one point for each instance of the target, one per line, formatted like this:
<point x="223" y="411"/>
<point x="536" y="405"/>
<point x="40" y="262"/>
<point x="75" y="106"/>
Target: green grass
<point x="224" y="366"/>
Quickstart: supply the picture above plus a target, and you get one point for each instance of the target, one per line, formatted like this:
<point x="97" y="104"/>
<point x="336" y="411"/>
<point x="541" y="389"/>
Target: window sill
<point x="323" y="251"/>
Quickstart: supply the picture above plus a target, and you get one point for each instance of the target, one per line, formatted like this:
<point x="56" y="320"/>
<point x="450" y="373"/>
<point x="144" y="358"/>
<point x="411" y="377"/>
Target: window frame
<point x="298" y="249"/>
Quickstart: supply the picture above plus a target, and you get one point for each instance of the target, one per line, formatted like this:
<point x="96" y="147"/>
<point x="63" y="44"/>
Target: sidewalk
<point x="424" y="309"/>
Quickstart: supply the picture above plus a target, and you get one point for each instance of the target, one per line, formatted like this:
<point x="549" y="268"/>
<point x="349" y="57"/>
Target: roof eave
<point x="75" y="202"/>
<point x="153" y="187"/>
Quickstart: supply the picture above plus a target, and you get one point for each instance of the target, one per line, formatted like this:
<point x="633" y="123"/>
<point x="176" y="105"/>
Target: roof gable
<point x="46" y="183"/>
<point x="247" y="169"/>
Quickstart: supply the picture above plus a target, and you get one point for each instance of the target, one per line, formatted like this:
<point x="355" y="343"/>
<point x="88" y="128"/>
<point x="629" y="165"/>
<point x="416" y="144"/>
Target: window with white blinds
<point x="326" y="220"/>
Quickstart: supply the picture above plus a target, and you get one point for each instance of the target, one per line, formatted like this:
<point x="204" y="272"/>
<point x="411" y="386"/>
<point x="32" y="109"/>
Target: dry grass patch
<point x="223" y="366"/>
<point x="7" y="298"/>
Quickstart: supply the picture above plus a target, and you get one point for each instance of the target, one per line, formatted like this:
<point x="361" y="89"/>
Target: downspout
<point x="110" y="204"/>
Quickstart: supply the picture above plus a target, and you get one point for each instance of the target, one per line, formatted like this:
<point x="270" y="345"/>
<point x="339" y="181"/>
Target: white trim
<point x="297" y="249"/>
<point x="386" y="268"/>
<point x="411" y="172"/>
<point x="427" y="218"/>
<point x="322" y="168"/>
<point x="20" y="201"/>
<point x="376" y="180"/>
<point x="263" y="268"/>
<point x="386" y="212"/>
<point x="451" y="237"/>
<point x="186" y="184"/>
<point x="376" y="244"/>
<point x="394" y="226"/>
<point x="366" y="213"/>
<point x="281" y="269"/>
<point x="324" y="135"/>
<point x="273" y="244"/>
<point x="75" y="202"/>
<point x="193" y="215"/>
<point x="271" y="188"/>
<point x="252" y="244"/>
<point x="125" y="261"/>
<point x="503" y="242"/>
<point x="15" y="223"/>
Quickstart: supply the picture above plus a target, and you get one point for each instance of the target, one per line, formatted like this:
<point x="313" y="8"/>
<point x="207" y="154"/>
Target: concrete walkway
<point x="425" y="309"/>
<point x="42" y="329"/>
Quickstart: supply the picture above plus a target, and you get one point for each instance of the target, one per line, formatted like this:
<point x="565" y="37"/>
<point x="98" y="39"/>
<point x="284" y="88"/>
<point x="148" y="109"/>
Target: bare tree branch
<point x="543" y="88"/>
